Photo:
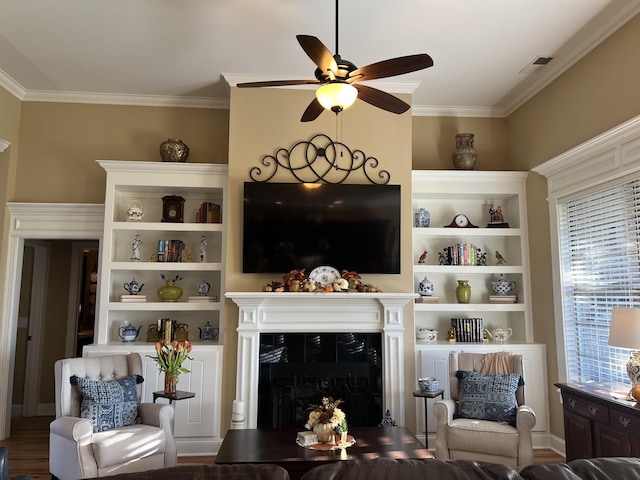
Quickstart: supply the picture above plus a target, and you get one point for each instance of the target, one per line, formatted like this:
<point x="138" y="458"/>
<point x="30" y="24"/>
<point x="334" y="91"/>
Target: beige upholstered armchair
<point x="475" y="426"/>
<point x="118" y="434"/>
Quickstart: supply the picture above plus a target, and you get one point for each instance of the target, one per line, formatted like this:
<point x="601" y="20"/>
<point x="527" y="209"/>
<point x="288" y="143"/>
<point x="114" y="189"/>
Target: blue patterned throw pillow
<point x="485" y="396"/>
<point x="110" y="404"/>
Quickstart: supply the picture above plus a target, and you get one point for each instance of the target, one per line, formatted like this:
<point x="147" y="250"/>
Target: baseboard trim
<point x="194" y="447"/>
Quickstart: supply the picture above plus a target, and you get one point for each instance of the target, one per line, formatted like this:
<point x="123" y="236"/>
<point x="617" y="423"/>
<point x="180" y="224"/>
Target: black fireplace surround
<point x="298" y="369"/>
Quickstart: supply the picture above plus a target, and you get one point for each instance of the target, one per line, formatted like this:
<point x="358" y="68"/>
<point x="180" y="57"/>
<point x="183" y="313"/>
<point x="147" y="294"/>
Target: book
<point x="503" y="298"/>
<point x="203" y="299"/>
<point x="425" y="299"/>
<point x="133" y="298"/>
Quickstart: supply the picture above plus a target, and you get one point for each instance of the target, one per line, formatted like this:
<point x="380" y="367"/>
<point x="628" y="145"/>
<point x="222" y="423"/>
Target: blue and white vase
<point x="422" y="218"/>
<point x="425" y="288"/>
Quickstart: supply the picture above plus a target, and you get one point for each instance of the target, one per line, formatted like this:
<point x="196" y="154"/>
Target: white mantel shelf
<point x="284" y="312"/>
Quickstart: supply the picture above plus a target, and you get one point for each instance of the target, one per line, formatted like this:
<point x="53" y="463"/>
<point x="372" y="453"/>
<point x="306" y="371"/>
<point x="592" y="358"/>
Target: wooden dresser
<point x="596" y="424"/>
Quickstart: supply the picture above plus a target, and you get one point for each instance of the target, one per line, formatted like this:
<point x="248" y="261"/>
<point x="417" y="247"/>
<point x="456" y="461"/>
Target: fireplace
<point x="313" y="315"/>
<point x="299" y="369"/>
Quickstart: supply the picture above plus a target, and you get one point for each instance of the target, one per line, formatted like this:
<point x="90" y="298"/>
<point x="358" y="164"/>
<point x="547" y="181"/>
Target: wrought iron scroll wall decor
<point x="320" y="159"/>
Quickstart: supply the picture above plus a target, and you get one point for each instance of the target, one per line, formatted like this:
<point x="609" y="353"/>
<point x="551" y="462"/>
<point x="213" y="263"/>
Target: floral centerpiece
<point x="325" y="419"/>
<point x="353" y="278"/>
<point x="293" y="279"/>
<point x="170" y="356"/>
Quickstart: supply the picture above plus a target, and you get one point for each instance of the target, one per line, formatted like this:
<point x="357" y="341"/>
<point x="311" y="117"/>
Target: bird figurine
<point x="500" y="259"/>
<point x="423" y="257"/>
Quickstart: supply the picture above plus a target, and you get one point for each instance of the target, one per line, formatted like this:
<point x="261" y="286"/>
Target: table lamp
<point x="625" y="333"/>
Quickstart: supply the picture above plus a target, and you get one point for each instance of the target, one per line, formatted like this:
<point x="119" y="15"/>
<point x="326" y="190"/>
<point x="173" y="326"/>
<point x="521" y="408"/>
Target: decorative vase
<point x="464" y="156"/>
<point x="422" y="218"/>
<point x="294" y="285"/>
<point x="170" y="382"/>
<point x="463" y="291"/>
<point x="174" y="150"/>
<point x="170" y="292"/>
<point x="324" y="431"/>
<point x="425" y="288"/>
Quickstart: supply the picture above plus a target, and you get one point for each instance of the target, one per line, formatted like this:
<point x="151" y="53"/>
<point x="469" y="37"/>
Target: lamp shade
<point x="337" y="96"/>
<point x="625" y="328"/>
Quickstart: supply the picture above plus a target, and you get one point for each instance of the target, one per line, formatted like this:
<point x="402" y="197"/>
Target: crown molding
<point x="568" y="56"/>
<point x="457" y="111"/>
<point x="125" y="99"/>
<point x="11" y="86"/>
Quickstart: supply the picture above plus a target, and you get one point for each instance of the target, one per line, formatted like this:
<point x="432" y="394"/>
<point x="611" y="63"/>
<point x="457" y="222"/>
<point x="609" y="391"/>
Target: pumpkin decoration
<point x="635" y="392"/>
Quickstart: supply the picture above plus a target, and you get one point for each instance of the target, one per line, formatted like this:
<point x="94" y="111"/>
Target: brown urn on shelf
<point x="174" y="150"/>
<point x="464" y="156"/>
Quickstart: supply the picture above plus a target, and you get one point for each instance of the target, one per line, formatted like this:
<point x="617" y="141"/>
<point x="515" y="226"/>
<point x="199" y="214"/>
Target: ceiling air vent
<point x="542" y="60"/>
<point x="536" y="64"/>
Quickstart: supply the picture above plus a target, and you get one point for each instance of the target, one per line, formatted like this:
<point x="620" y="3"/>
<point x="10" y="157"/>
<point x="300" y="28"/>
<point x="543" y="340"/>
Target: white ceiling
<point x="174" y="52"/>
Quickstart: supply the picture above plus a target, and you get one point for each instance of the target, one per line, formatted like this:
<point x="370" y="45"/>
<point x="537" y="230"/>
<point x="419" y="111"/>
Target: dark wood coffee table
<point x="279" y="447"/>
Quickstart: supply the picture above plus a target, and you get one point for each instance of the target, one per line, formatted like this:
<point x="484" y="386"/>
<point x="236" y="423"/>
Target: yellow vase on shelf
<point x="170" y="292"/>
<point x="463" y="291"/>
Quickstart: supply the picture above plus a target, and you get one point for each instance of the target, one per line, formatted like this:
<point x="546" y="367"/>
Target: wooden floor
<point x="29" y="449"/>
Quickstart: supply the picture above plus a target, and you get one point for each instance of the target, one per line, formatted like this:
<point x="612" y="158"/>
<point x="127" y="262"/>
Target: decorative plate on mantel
<point x="325" y="275"/>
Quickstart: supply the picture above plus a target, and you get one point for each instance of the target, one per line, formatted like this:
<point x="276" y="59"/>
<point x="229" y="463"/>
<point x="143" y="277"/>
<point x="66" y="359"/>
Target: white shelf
<point x="168" y="227"/>
<point x="469" y="307"/>
<point x="462" y="269"/>
<point x="467" y="232"/>
<point x="162" y="266"/>
<point x="446" y="193"/>
<point x="147" y="183"/>
<point x="164" y="306"/>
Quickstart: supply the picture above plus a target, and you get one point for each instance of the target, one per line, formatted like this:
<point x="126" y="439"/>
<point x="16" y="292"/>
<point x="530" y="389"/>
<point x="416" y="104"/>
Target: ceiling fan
<point x="339" y="79"/>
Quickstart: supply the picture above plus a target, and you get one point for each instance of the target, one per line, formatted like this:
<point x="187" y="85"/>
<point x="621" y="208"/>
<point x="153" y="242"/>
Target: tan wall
<point x="263" y="120"/>
<point x="63" y="141"/>
<point x="598" y="93"/>
<point x="434" y="141"/>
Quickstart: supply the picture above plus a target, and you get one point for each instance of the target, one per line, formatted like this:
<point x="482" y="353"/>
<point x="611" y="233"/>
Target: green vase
<point x="463" y="291"/>
<point x="170" y="292"/>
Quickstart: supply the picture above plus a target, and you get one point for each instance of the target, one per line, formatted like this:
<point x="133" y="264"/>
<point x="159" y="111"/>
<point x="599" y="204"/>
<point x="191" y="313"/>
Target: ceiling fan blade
<point x="392" y="67"/>
<point x="317" y="52"/>
<point x="312" y="112"/>
<point x="381" y="99"/>
<point x="277" y="83"/>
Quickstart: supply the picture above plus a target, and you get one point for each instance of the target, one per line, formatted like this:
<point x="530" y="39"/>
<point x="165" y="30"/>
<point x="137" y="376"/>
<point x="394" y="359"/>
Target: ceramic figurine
<point x="423" y="257"/>
<point x="203" y="248"/>
<point x="500" y="259"/>
<point x="203" y="288"/>
<point x="134" y="212"/>
<point x="135" y="248"/>
<point x="133" y="287"/>
<point x="425" y="288"/>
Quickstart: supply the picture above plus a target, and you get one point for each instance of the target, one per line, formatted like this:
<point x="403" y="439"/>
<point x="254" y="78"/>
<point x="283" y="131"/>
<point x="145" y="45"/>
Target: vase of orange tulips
<point x="170" y="356"/>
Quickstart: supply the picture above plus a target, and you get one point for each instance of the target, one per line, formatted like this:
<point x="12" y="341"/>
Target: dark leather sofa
<point x="389" y="469"/>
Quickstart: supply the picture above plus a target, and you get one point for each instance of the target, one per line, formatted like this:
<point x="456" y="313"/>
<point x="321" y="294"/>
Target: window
<point x="598" y="237"/>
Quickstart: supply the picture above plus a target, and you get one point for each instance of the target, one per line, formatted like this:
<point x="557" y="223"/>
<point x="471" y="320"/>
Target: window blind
<point x="600" y="265"/>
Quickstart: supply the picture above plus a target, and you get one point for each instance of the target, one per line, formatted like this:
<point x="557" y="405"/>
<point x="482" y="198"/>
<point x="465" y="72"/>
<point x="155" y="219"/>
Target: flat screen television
<point x="346" y="226"/>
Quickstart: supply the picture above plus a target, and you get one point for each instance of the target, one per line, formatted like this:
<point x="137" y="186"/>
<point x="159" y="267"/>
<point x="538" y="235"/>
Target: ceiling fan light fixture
<point x="336" y="96"/>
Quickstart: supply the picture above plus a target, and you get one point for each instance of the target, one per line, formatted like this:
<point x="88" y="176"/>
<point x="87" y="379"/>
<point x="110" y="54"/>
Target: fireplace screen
<point x="298" y="369"/>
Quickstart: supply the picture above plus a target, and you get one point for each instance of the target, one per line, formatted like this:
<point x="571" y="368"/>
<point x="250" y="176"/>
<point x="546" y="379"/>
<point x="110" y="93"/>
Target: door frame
<point x="72" y="221"/>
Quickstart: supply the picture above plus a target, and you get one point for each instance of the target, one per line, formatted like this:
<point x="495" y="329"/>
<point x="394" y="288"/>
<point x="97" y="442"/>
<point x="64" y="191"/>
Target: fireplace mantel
<point x="288" y="312"/>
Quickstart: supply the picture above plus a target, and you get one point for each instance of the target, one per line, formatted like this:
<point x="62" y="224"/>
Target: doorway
<point x="31" y="221"/>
